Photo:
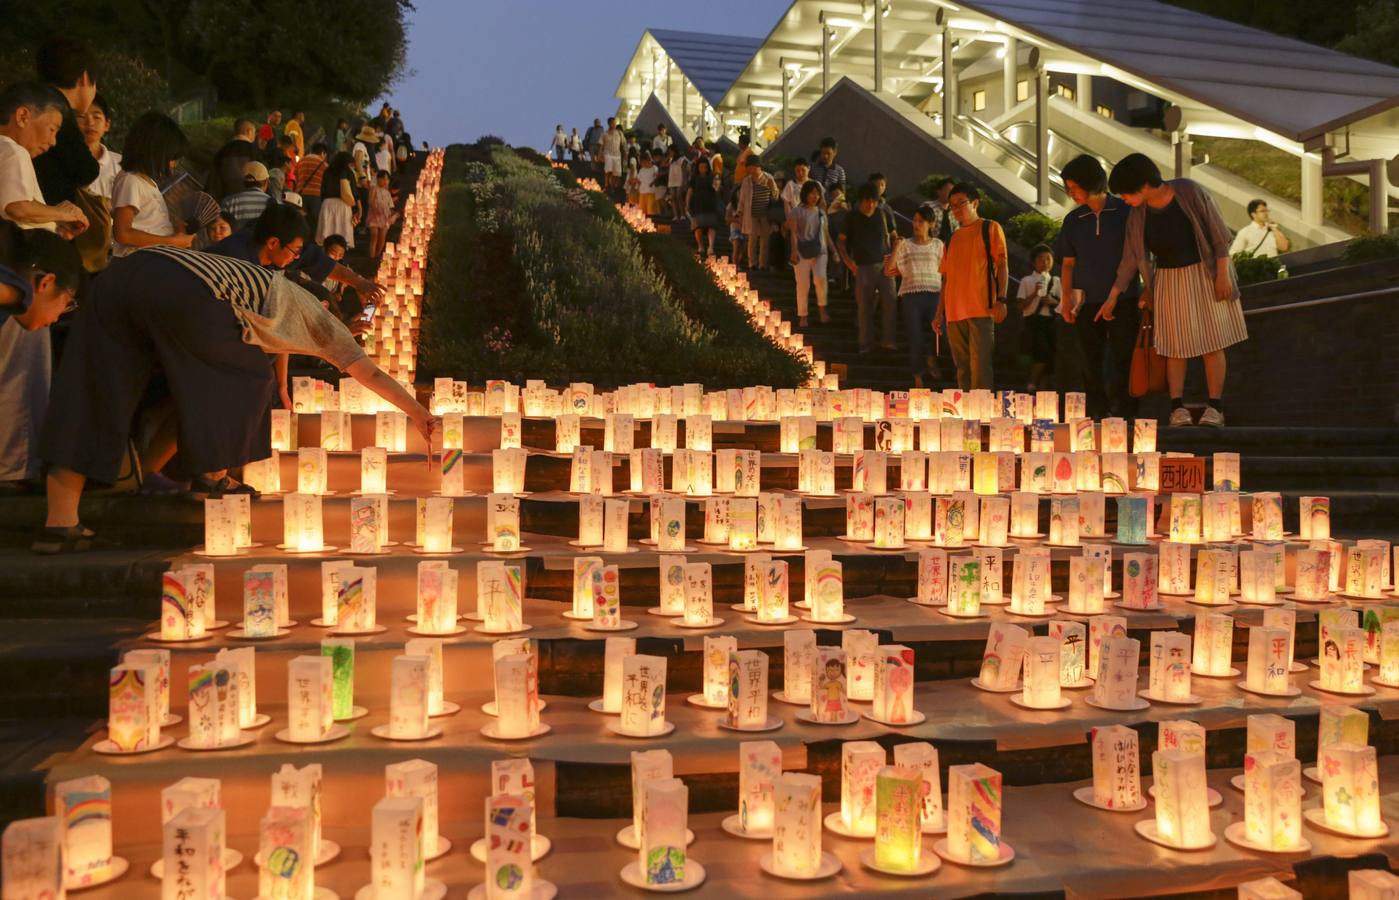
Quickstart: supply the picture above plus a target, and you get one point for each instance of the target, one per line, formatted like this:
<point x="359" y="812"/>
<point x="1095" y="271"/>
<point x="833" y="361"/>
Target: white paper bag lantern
<point x="1343" y="660"/>
<point x="796" y="850"/>
<point x="826" y="591"/>
<point x="1086" y="585"/>
<point x="437" y="524"/>
<point x="294" y="788"/>
<point x="311" y="470"/>
<point x="994" y="521"/>
<point x="829" y="701"/>
<point x="861" y="648"/>
<point x="584" y="570"/>
<point x="662" y="838"/>
<point x="1257" y="582"/>
<point x="1185" y="527"/>
<point x="860" y="762"/>
<point x="192" y="852"/>
<point x="932" y="577"/>
<point x="643" y="696"/>
<point x="1314" y="519"/>
<point x="1169" y="673"/>
<point x="1073" y="652"/>
<point x="33" y="858"/>
<point x="1030" y="582"/>
<point x="716" y="520"/>
<point x="743" y="524"/>
<point x="1267" y="516"/>
<point x="500" y="596"/>
<point x="1350" y="789"/>
<point x="748" y="696"/>
<point x="1214" y="577"/>
<point x="509" y="865"/>
<point x="373" y="470"/>
<point x="898" y="837"/>
<point x="1139" y="581"/>
<point x="437" y="597"/>
<point x="974" y="813"/>
<point x="1182" y="801"/>
<point x="517" y="696"/>
<point x="616" y="650"/>
<point x="213" y="706"/>
<point x="220" y="532"/>
<point x="893" y="684"/>
<point x="798" y="659"/>
<point x="85" y="807"/>
<point x="1214" y="645"/>
<point x="133" y="711"/>
<point x="1063" y="521"/>
<point x="1364" y="571"/>
<point x="417" y="779"/>
<point x="303" y="527"/>
<point x="773" y="602"/>
<point x="356" y="599"/>
<point x="1370" y="884"/>
<point x="964" y="587"/>
<point x="1003" y="657"/>
<point x="1116" y="684"/>
<point x="1268" y="663"/>
<point x="1116" y="767"/>
<point x="310" y="703"/>
<point x="869" y="472"/>
<point x="913" y="470"/>
<point x="1041" y="673"/>
<point x="396" y="851"/>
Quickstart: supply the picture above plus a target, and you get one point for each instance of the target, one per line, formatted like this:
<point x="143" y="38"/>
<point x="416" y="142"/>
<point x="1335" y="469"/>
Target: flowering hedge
<point x="530" y="278"/>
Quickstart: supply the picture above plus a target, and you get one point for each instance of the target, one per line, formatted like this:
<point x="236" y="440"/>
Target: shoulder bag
<point x="1148" y="373"/>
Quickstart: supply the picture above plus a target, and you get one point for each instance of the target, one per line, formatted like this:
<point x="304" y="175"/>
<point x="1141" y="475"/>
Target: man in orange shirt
<point x="974" y="283"/>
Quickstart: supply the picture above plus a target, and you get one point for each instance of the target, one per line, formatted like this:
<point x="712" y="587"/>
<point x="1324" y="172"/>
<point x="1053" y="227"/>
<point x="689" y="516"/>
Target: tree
<point x="1376" y="34"/>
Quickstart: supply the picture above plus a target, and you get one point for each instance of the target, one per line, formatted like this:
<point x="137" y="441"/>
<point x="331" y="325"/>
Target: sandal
<point x="69" y="539"/>
<point x="230" y="485"/>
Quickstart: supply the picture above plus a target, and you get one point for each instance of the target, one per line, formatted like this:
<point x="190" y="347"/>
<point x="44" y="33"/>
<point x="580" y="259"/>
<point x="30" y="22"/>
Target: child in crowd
<point x="1039" y="299"/>
<point x="676" y="180"/>
<point x="646" y="183"/>
<point x="734" y="216"/>
<point x="633" y="187"/>
<point x="381" y="214"/>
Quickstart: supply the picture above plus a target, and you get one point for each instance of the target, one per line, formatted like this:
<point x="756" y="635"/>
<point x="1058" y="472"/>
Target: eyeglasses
<point x="960" y="205"/>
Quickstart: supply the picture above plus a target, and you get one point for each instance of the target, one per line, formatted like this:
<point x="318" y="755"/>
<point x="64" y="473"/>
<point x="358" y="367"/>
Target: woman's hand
<point x="1146" y="302"/>
<point x="1223" y="286"/>
<point x="286" y="397"/>
<point x="1104" y="313"/>
<point x="850" y="264"/>
<point x="427" y="425"/>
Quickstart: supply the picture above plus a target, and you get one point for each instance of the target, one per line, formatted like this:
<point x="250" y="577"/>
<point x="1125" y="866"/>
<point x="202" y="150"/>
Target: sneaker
<point x="1212" y="418"/>
<point x="1180" y="417"/>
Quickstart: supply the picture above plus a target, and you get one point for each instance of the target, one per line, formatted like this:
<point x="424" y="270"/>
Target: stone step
<point x="28" y="746"/>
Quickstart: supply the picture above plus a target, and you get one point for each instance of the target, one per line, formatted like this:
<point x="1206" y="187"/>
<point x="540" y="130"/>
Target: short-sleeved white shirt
<point x="18" y="181"/>
<point x="108" y="168"/>
<point x="152" y="215"/>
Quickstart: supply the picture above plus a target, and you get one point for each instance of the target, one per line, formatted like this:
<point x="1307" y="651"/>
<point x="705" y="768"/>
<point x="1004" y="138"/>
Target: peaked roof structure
<point x="710" y="61"/>
<point x="1290" y="87"/>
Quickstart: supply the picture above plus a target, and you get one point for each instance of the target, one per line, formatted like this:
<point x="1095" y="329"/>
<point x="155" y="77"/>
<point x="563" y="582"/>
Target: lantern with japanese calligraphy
<point x="1182" y="802"/>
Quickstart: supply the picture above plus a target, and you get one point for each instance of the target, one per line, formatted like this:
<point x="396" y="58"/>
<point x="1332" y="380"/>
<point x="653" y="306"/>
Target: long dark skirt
<point x="146" y="311"/>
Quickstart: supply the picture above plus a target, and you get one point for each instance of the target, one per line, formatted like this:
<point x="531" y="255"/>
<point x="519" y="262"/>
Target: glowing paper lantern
<point x="861" y="649"/>
<point x="796" y="851"/>
<point x="860" y="763"/>
<point x="160" y="661"/>
<point x="1214" y="645"/>
<point x="747" y="695"/>
<point x="1116" y="768"/>
<point x="1268" y="665"/>
<point x="1041" y="673"/>
<point x="303" y="528"/>
<point x="1086" y="585"/>
<point x="437" y="597"/>
<point x="643" y="696"/>
<point x="798" y="659"/>
<point x="180" y="620"/>
<point x="743" y="524"/>
<point x="913" y="470"/>
<point x="1003" y="657"/>
<point x="417" y="779"/>
<point x="616" y="650"/>
<point x="1169" y="673"/>
<point x="294" y="788"/>
<point x="964" y="587"/>
<point x="1029" y="590"/>
<point x="213" y="706"/>
<point x="396" y="847"/>
<point x="33" y="858"/>
<point x="1267" y="516"/>
<point x="932" y="577"/>
<point x="288" y="854"/>
<point x="1314" y="519"/>
<point x="85" y="807"/>
<point x="826" y="592"/>
<point x="759" y="768"/>
<point x="500" y="597"/>
<point x="1174" y="570"/>
<point x="859" y="517"/>
<point x="310" y="703"/>
<point x="1072" y="638"/>
<point x="829" y="703"/>
<point x="1139" y="581"/>
<point x="1350" y="789"/>
<point x="995" y="521"/>
<point x="893" y="684"/>
<point x="584" y="570"/>
<point x="1365" y="571"/>
<point x="133" y="712"/>
<point x="773" y="601"/>
<point x="192" y="854"/>
<point x="662" y="836"/>
<point x="607" y="598"/>
<point x="918" y="516"/>
<point x="898" y="836"/>
<point x="517" y="696"/>
<point x="431" y="650"/>
<point x="1370" y="884"/>
<point x="1063" y="521"/>
<point x="1214" y="577"/>
<point x="1182" y="801"/>
<point x="1185" y="525"/>
<point x="1343" y="660"/>
<point x="973" y="813"/>
<point x="1116" y="684"/>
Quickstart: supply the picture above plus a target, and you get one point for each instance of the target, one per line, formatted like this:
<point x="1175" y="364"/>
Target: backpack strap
<point x="991" y="292"/>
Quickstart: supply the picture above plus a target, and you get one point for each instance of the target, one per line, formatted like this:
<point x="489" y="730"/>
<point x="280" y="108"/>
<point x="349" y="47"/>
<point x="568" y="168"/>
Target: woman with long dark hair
<point x="140" y="217"/>
<point x="1178" y="242"/>
<point x="340" y="211"/>
<point x="702" y="205"/>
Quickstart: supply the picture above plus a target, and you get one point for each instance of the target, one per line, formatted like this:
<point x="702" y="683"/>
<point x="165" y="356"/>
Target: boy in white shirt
<point x="1039" y="295"/>
<point x="676" y="180"/>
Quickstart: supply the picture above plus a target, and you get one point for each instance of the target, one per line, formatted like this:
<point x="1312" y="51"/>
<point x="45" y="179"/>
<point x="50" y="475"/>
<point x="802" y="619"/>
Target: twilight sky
<point x="516" y="68"/>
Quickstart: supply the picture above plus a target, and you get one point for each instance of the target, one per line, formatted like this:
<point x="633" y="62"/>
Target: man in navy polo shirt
<point x="1090" y="245"/>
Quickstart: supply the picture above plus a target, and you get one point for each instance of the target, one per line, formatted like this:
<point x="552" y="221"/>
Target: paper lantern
<point x="1256" y="578"/>
<point x="747" y="707"/>
<point x="1116" y="470"/>
<point x="396" y="847"/>
<point x="1267" y="516"/>
<point x="1073" y="641"/>
<point x="973" y="813"/>
<point x="643" y="696"/>
<point x="932" y="577"/>
<point x="1116" y="684"/>
<point x="789" y="522"/>
<point x="1185" y="527"/>
<point x="1174" y="569"/>
<point x="869" y="472"/>
<point x="860" y="763"/>
<point x="1041" y="673"/>
<point x="773" y="601"/>
<point x="85" y="808"/>
<point x="287" y="853"/>
<point x="617" y="649"/>
<point x="1214" y="577"/>
<point x="1133" y="519"/>
<point x="796" y="847"/>
<point x="743" y="524"/>
<point x="964" y="587"/>
<point x="180" y="620"/>
<point x="213" y="707"/>
<point x="829" y="703"/>
<point x="1182" y="800"/>
<point x="861" y="650"/>
<point x="133" y="711"/>
<point x="567" y="430"/>
<point x="1100" y="627"/>
<point x="1364" y="572"/>
<point x="1371" y="884"/>
<point x="822" y="473"/>
<point x="716" y="520"/>
<point x="1268" y="665"/>
<point x="1220" y="510"/>
<point x="500" y="597"/>
<point x="303" y="529"/>
<point x="922" y="757"/>
<point x="1169" y="673"/>
<point x="192" y="855"/>
<point x="1314" y="519"/>
<point x="1214" y="645"/>
<point x="992" y="575"/>
<point x="951" y="471"/>
<point x="1091" y="513"/>
<point x="1139" y="581"/>
<point x="798" y="659"/>
<point x="994" y="521"/>
<point x="437" y="597"/>
<point x="759" y="769"/>
<point x="893" y="685"/>
<point x="1063" y="521"/>
<point x="1312" y="579"/>
<point x="584" y="569"/>
<point x="311" y="470"/>
<point x="33" y="858"/>
<point x="826" y="592"/>
<point x="662" y="837"/>
<point x="918" y="516"/>
<point x="220" y="530"/>
<point x="1086" y="585"/>
<point x="1030" y="582"/>
<point x="160" y="661"/>
<point x="310" y="703"/>
<point x="340" y="653"/>
<point x="431" y="650"/>
<point x="373" y="470"/>
<point x="503" y="523"/>
<point x="509" y="860"/>
<point x="1003" y="657"/>
<point x="517" y="696"/>
<point x="1116" y="768"/>
<point x="1350" y="789"/>
<point x="859" y="516"/>
<point x="898" y="836"/>
<point x="607" y="598"/>
<point x="913" y="470"/>
<point x="614" y="525"/>
<point x="1343" y="660"/>
<point x="294" y="788"/>
<point x="417" y="779"/>
<point x="356" y="599"/>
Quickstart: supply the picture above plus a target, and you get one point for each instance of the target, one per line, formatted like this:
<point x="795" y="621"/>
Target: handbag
<point x="810" y="249"/>
<point x="95" y="243"/>
<point x="1148" y="374"/>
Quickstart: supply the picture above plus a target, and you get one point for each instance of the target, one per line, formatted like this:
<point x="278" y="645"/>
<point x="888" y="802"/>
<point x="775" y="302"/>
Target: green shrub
<point x="531" y="279"/>
<point x="928" y="187"/>
<point x="1030" y="228"/>
<point x="1255" y="269"/>
<point x="205" y="139"/>
<point x="1371" y="247"/>
<point x="993" y="209"/>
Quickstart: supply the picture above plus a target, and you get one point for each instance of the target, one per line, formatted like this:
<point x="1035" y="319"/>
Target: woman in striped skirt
<point x="1177" y="241"/>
